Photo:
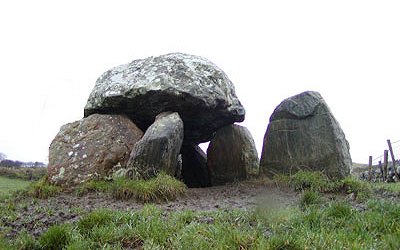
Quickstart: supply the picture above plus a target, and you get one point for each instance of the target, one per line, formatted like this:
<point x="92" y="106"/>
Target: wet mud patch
<point x="36" y="215"/>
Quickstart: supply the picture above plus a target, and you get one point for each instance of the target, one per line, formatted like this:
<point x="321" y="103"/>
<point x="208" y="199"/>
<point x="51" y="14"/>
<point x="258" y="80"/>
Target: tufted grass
<point x="42" y="189"/>
<point x="315" y="223"/>
<point x="306" y="180"/>
<point x="303" y="181"/>
<point x="159" y="189"/>
<point x="393" y="187"/>
<point x="362" y="190"/>
<point x="56" y="237"/>
<point x="310" y="197"/>
<point x="330" y="225"/>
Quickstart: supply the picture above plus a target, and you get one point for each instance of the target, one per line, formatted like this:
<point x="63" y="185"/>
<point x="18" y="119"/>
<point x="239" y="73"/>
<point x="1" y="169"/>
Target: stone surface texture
<point x="158" y="149"/>
<point x="303" y="134"/>
<point x="90" y="148"/>
<point x="194" y="166"/>
<point x="191" y="85"/>
<point x="232" y="155"/>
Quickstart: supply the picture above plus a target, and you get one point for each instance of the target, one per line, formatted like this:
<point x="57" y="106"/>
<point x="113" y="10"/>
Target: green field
<point x="8" y="185"/>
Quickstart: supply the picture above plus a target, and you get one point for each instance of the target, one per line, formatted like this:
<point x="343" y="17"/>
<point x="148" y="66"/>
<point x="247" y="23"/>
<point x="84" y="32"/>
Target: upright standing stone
<point x="232" y="155"/>
<point x="194" y="166"/>
<point x="91" y="148"/>
<point x="159" y="148"/>
<point x="303" y="134"/>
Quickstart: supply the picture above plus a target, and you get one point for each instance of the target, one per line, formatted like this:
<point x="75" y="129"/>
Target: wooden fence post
<point x="370" y="168"/>
<point x="393" y="159"/>
<point x="385" y="163"/>
<point x="381" y="170"/>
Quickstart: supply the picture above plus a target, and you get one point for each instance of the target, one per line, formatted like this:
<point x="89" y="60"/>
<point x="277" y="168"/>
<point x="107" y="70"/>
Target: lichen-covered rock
<point x="90" y="148"/>
<point x="158" y="149"/>
<point x="303" y="134"/>
<point x="194" y="167"/>
<point x="194" y="87"/>
<point x="232" y="155"/>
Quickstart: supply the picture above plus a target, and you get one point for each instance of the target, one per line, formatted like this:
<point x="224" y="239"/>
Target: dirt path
<point x="35" y="216"/>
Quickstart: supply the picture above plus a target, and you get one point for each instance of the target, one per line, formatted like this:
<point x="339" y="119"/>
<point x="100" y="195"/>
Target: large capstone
<point x="194" y="87"/>
<point x="303" y="134"/>
<point x="91" y="148"/>
<point x="159" y="148"/>
<point x="232" y="155"/>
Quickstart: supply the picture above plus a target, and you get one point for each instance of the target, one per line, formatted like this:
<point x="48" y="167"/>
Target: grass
<point x="316" y="223"/>
<point x="362" y="190"/>
<point x="159" y="189"/>
<point x="42" y="189"/>
<point x="390" y="187"/>
<point x="310" y="197"/>
<point x="305" y="180"/>
<point x="56" y="237"/>
<point x="38" y="189"/>
<point x="8" y="185"/>
<point x="316" y="181"/>
<point x="332" y="225"/>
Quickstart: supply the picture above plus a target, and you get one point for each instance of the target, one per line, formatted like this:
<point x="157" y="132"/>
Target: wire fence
<point x="396" y="152"/>
<point x="385" y="167"/>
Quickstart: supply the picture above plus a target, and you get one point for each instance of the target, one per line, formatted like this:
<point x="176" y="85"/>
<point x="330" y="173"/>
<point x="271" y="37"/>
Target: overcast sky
<point x="52" y="52"/>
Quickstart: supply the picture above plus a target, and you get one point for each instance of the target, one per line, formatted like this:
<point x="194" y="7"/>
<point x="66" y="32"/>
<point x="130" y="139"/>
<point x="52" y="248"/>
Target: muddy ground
<point x="36" y="215"/>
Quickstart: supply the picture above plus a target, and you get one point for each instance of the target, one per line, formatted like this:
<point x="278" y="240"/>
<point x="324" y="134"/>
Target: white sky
<point x="52" y="52"/>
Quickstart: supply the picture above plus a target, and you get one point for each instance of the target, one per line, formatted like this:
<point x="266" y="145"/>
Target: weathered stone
<point x="159" y="148"/>
<point x="232" y="155"/>
<point x="194" y="87"/>
<point x="303" y="134"/>
<point x="90" y="148"/>
<point x="194" y="166"/>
